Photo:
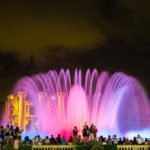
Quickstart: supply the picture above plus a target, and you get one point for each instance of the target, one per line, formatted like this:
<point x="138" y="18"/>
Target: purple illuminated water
<point x="114" y="103"/>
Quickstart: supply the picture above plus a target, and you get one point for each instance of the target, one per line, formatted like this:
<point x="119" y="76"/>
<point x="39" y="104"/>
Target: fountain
<point x="116" y="104"/>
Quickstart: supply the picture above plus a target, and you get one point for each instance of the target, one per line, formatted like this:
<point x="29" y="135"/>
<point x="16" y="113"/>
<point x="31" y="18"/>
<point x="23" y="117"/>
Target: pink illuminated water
<point x="115" y="104"/>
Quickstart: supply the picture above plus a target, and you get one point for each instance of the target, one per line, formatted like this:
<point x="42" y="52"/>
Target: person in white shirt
<point x="16" y="143"/>
<point x="104" y="141"/>
<point x="139" y="139"/>
<point x="47" y="140"/>
<point x="115" y="140"/>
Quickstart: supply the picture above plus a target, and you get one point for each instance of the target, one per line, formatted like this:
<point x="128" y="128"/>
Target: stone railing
<point x="73" y="147"/>
<point x="54" y="147"/>
<point x="133" y="147"/>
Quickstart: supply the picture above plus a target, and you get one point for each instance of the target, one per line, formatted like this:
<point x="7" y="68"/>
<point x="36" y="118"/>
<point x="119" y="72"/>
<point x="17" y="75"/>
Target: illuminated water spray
<point x="115" y="104"/>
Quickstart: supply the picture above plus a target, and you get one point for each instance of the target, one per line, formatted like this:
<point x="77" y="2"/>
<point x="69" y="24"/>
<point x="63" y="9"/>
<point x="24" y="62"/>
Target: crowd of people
<point x="12" y="136"/>
<point x="88" y="134"/>
<point x="123" y="141"/>
<point x="79" y="140"/>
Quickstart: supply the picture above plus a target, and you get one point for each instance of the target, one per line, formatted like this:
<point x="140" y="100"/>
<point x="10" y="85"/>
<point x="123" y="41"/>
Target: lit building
<point x="18" y="111"/>
<point x="21" y="112"/>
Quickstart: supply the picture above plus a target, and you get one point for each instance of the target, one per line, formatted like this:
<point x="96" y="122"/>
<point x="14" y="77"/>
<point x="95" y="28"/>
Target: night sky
<point x="39" y="35"/>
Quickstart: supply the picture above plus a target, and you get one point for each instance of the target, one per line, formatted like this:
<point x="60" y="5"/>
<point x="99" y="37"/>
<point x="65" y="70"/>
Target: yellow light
<point x="11" y="97"/>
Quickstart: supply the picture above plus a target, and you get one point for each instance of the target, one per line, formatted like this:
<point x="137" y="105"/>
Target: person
<point x="146" y="142"/>
<point x="27" y="141"/>
<point x="127" y="142"/>
<point x="17" y="131"/>
<point x="104" y="141"/>
<point x="85" y="124"/>
<point x="120" y="142"/>
<point x="115" y="140"/>
<point x="87" y="133"/>
<point x="7" y="129"/>
<point x="92" y="132"/>
<point x="79" y="140"/>
<point x="63" y="141"/>
<point x="11" y="134"/>
<point x="33" y="141"/>
<point x="1" y="143"/>
<point x="36" y="139"/>
<point x="109" y="140"/>
<point x="100" y="139"/>
<point x="52" y="140"/>
<point x="75" y="131"/>
<point x="58" y="139"/>
<point x="2" y="133"/>
<point x="124" y="140"/>
<point x="16" y="143"/>
<point x="75" y="135"/>
<point x="139" y="139"/>
<point x="47" y="140"/>
<point x="95" y="132"/>
<point x="39" y="141"/>
<point x="84" y="134"/>
<point x="70" y="141"/>
<point x="134" y="141"/>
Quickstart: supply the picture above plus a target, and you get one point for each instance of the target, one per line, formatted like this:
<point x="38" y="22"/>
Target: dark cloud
<point x="30" y="26"/>
<point x="111" y="35"/>
<point x="10" y="71"/>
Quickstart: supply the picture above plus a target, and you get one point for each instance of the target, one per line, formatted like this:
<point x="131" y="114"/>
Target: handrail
<point x="73" y="147"/>
<point x="133" y="147"/>
<point x="53" y="147"/>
